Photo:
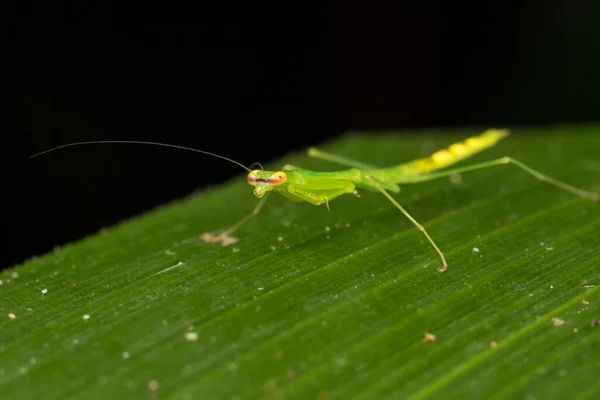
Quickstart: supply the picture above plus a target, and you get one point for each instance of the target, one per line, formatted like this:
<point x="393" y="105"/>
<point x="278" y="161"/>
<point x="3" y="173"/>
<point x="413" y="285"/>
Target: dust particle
<point x="12" y="316"/>
<point x="575" y="330"/>
<point x="428" y="338"/>
<point x="225" y="239"/>
<point x="327" y="229"/>
<point x="44" y="291"/>
<point x="550" y="248"/>
<point x="585" y="302"/>
<point x="236" y="249"/>
<point x="493" y="344"/>
<point x="476" y="250"/>
<point x="233" y="366"/>
<point x="191" y="336"/>
<point x="557" y="321"/>
<point x="273" y="247"/>
<point x="86" y="317"/>
<point x="153" y="385"/>
<point x="1" y="282"/>
<point x="125" y="355"/>
<point x="551" y="286"/>
<point x="23" y="370"/>
<point x="15" y="275"/>
<point x="280" y="238"/>
<point x="271" y="386"/>
<point x="347" y="225"/>
<point x="290" y="375"/>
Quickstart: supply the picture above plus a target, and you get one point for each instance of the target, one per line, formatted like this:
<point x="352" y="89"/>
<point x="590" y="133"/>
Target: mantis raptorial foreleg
<point x="224" y="236"/>
<point x="419" y="226"/>
<point x="502" y="161"/>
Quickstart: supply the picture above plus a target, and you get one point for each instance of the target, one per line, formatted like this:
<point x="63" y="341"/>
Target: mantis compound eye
<point x="277" y="178"/>
<point x="252" y="178"/>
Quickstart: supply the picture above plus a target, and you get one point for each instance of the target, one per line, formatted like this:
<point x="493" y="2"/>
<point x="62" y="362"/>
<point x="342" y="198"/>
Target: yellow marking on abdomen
<point x="456" y="152"/>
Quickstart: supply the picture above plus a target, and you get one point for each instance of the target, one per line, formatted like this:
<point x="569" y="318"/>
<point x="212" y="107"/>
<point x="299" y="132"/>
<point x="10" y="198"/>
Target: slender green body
<point x="322" y="187"/>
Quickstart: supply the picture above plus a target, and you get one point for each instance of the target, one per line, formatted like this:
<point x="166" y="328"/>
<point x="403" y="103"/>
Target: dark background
<point x="254" y="82"/>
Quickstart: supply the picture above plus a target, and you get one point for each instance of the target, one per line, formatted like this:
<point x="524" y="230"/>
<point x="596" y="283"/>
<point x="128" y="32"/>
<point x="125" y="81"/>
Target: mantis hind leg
<point x="444" y="266"/>
<point x="502" y="161"/>
<point x="315" y="153"/>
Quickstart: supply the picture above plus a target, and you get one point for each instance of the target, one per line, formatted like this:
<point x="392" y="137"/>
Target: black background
<point x="254" y="82"/>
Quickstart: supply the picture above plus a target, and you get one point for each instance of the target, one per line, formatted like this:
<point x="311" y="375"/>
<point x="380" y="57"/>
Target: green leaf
<point x="312" y="304"/>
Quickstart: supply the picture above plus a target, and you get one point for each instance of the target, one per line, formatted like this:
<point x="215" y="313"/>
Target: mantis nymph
<point x="321" y="187"/>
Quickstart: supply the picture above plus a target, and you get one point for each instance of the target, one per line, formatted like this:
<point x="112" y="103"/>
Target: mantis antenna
<point x="141" y="142"/>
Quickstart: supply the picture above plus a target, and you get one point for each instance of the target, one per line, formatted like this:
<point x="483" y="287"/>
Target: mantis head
<point x="264" y="181"/>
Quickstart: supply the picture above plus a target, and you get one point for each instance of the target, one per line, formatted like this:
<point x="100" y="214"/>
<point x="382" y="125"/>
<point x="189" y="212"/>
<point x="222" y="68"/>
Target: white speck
<point x="23" y="370"/>
<point x="153" y="385"/>
<point x="44" y="291"/>
<point x="233" y="366"/>
<point x="327" y="229"/>
<point x="75" y="341"/>
<point x="12" y="316"/>
<point x="280" y="238"/>
<point x="235" y="249"/>
<point x="15" y="275"/>
<point x="191" y="336"/>
<point x="475" y="249"/>
<point x="86" y="317"/>
<point x="341" y="361"/>
<point x="260" y="288"/>
<point x="327" y="237"/>
<point x="272" y="247"/>
<point x="550" y="248"/>
<point x="125" y="354"/>
<point x="32" y="361"/>
<point x="1" y="282"/>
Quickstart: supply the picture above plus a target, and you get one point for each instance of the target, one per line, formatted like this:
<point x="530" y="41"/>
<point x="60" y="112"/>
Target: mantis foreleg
<point x="224" y="237"/>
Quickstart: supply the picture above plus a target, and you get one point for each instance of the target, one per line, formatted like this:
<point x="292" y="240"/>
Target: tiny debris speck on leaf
<point x="493" y="344"/>
<point x="86" y="317"/>
<point x="191" y="336"/>
<point x="327" y="229"/>
<point x="557" y="321"/>
<point x="125" y="354"/>
<point x="12" y="316"/>
<point x="476" y="250"/>
<point x="153" y="385"/>
<point x="428" y="338"/>
<point x="44" y="291"/>
<point x="280" y="238"/>
<point x="585" y="302"/>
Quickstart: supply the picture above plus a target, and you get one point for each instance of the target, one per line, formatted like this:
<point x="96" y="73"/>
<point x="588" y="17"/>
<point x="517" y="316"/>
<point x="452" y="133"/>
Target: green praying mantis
<point x="322" y="187"/>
